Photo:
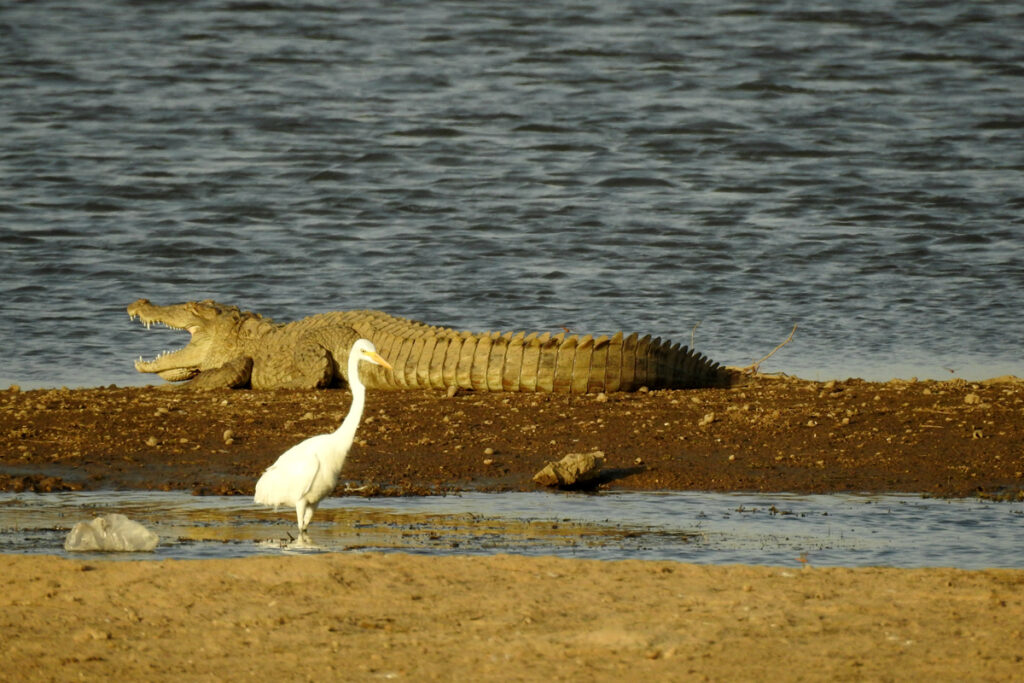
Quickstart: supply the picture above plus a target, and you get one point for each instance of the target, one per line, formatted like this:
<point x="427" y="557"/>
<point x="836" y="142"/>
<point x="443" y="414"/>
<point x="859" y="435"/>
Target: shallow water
<point x="777" y="529"/>
<point x="647" y="166"/>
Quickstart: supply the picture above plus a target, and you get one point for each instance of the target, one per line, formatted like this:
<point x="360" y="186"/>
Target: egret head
<point x="365" y="351"/>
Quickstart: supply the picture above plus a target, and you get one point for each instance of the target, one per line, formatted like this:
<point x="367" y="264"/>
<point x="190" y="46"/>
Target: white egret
<point x="307" y="472"/>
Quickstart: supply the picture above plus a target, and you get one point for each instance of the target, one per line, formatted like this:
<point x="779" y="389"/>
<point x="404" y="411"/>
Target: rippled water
<point x="642" y="166"/>
<point x="778" y="529"/>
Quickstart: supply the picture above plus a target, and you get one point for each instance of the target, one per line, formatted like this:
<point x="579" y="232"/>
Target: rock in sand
<point x="573" y="469"/>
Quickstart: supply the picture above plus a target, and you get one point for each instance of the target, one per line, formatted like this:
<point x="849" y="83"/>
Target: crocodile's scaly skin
<point x="233" y="348"/>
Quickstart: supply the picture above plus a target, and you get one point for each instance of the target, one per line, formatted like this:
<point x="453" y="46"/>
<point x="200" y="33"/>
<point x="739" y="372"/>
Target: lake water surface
<point x="855" y="168"/>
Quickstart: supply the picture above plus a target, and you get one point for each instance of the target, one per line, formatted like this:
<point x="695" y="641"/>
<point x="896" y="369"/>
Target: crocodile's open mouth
<point x="166" y="363"/>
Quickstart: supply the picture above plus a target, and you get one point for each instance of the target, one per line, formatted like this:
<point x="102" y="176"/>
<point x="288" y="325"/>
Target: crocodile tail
<point x="512" y="365"/>
<point x="440" y="358"/>
<point x="581" y="364"/>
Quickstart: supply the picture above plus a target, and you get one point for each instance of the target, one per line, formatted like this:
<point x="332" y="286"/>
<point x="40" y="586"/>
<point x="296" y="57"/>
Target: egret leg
<point x="303" y="513"/>
<point x="301" y="516"/>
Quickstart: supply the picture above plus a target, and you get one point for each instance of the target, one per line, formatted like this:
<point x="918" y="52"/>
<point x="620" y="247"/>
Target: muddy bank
<point x="939" y="438"/>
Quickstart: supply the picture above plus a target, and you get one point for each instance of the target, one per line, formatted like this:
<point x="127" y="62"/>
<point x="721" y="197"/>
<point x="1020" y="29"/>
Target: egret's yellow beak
<point x="375" y="357"/>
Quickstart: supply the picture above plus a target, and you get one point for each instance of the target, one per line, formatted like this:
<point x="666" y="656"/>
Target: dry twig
<point x="755" y="367"/>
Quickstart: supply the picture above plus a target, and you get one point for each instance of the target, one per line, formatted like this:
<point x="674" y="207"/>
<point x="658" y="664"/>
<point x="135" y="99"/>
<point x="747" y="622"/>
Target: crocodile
<point x="233" y="348"/>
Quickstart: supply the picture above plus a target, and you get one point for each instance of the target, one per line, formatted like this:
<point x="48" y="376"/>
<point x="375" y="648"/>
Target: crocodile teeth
<point x="149" y="323"/>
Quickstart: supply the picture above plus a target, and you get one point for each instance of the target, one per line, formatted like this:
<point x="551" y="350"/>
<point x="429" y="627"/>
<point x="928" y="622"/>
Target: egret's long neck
<point x="355" y="411"/>
<point x="346" y="433"/>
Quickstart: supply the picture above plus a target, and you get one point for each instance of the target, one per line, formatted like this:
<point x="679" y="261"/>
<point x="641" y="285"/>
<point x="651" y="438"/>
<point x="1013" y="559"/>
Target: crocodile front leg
<point x="306" y="366"/>
<point x="235" y="374"/>
<point x="312" y="360"/>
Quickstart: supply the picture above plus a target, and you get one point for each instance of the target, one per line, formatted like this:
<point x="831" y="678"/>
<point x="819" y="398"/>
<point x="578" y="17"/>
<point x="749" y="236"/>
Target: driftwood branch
<point x="755" y="367"/>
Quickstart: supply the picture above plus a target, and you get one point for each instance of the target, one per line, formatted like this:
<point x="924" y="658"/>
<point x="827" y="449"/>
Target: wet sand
<point x="367" y="616"/>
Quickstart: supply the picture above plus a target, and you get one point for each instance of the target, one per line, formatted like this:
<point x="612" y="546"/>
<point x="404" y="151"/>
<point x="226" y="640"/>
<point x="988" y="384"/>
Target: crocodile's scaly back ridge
<point x="428" y="357"/>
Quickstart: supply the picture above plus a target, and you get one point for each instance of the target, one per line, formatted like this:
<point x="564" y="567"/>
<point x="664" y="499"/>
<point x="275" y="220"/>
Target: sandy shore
<point x="404" y="617"/>
<point x="368" y="617"/>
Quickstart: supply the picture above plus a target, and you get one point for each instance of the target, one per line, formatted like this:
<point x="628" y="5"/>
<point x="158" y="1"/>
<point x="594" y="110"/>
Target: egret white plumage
<point x="307" y="472"/>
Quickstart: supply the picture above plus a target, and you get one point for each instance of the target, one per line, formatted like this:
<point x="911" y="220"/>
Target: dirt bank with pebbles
<point x="940" y="438"/>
